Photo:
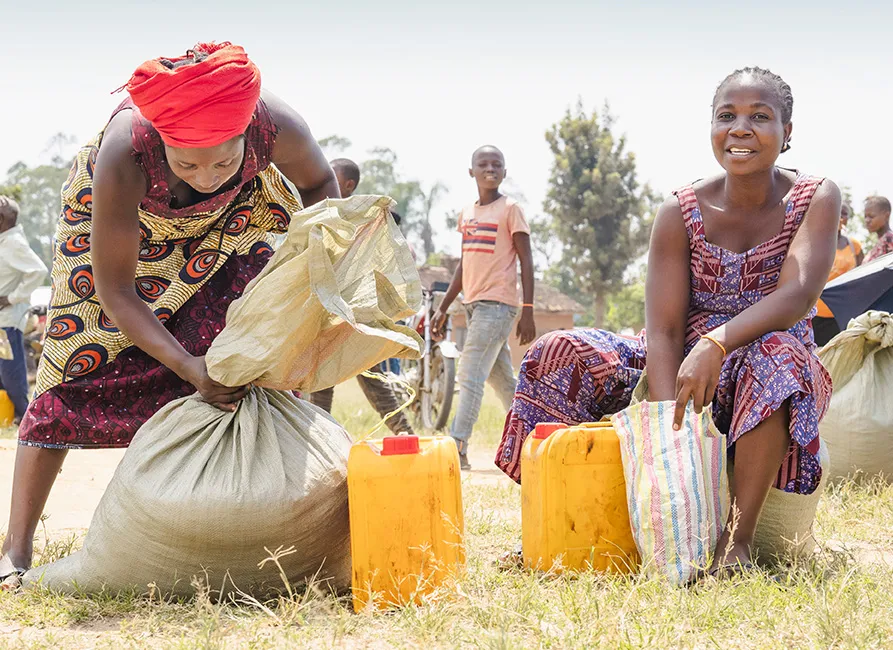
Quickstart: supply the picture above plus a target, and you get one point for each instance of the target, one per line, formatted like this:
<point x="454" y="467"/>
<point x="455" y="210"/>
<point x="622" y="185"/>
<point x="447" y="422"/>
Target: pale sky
<point x="433" y="81"/>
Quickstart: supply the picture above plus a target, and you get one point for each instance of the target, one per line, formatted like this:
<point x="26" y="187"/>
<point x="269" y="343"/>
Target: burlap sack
<point x="859" y="424"/>
<point x="201" y="492"/>
<point x="349" y="275"/>
<point x="785" y="528"/>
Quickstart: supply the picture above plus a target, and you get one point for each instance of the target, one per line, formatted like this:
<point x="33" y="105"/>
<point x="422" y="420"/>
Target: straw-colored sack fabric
<point x="676" y="484"/>
<point x="207" y="493"/>
<point x="328" y="298"/>
<point x="201" y="492"/>
<point x="785" y="527"/>
<point x="859" y="424"/>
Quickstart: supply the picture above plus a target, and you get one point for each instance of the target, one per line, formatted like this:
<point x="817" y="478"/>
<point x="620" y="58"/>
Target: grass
<point x="842" y="598"/>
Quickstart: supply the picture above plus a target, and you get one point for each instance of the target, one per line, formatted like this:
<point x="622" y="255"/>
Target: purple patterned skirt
<point x="582" y="375"/>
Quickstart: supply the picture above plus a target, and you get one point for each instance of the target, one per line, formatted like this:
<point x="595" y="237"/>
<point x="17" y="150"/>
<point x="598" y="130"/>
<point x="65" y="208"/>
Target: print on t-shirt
<point x="479" y="237"/>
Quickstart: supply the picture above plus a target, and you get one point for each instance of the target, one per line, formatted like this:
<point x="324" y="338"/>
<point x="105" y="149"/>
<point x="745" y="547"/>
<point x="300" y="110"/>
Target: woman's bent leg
<point x="36" y="469"/>
<point x="758" y="455"/>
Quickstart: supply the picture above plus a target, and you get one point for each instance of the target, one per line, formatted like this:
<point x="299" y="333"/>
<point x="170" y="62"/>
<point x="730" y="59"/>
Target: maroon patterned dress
<point x="582" y="375"/>
<point x="97" y="392"/>
<point x="883" y="247"/>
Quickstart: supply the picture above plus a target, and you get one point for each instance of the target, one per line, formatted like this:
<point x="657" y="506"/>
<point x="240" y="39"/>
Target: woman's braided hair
<point x="778" y="85"/>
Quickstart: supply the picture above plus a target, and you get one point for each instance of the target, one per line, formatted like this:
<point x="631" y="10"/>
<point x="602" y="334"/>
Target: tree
<point x="856" y="225"/>
<point x="36" y="189"/>
<point x="600" y="214"/>
<point x="378" y="175"/>
<point x="626" y="308"/>
<point x="426" y="228"/>
<point x="333" y="145"/>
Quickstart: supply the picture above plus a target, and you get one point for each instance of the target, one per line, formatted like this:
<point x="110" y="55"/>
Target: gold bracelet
<point x="716" y="343"/>
<point x="527" y="304"/>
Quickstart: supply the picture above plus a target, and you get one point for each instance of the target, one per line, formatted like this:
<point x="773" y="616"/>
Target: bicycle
<point x="433" y="376"/>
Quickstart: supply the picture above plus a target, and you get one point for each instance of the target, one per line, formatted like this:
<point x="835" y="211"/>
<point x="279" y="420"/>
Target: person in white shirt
<point x="21" y="272"/>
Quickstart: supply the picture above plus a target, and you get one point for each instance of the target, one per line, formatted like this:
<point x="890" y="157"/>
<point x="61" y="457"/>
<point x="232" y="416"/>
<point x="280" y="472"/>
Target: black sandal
<point x="511" y="560"/>
<point x="12" y="581"/>
<point x="731" y="570"/>
<point x="11" y="576"/>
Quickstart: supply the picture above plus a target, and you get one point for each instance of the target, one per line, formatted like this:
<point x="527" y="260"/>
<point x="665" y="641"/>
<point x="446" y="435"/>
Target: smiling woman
<point x="167" y="215"/>
<point x="736" y="264"/>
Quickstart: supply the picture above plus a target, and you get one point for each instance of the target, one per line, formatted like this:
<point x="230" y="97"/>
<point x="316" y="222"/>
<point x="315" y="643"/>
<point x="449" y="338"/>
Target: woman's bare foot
<point x="730" y="557"/>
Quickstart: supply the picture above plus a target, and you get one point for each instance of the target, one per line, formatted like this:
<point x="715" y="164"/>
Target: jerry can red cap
<point x="545" y="429"/>
<point x="399" y="445"/>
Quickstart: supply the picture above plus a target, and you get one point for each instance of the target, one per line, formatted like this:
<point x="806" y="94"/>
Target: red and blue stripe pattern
<point x="479" y="237"/>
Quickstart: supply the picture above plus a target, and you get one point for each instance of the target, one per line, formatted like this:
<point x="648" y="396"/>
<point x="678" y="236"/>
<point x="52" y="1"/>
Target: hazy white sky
<point x="435" y="80"/>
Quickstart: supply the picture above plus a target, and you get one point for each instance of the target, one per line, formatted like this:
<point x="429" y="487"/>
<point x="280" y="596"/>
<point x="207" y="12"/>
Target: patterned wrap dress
<point x="582" y="375"/>
<point x="94" y="387"/>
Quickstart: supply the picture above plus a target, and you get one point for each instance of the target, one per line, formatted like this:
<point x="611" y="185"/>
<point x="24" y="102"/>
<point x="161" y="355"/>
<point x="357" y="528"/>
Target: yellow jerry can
<point x="574" y="513"/>
<point x="406" y="523"/>
<point x="7" y="410"/>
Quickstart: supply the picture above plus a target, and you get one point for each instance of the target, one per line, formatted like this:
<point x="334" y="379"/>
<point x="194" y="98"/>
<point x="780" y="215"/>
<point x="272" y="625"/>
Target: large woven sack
<point x="677" y="486"/>
<point x="328" y="298"/>
<point x="785" y="527"/>
<point x="859" y="424"/>
<point x="209" y="494"/>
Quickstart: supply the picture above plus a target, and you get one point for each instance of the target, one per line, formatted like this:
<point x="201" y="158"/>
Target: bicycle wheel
<point x="410" y="372"/>
<point x="437" y="402"/>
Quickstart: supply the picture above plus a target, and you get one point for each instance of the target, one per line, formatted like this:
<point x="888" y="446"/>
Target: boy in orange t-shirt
<point x="495" y="237"/>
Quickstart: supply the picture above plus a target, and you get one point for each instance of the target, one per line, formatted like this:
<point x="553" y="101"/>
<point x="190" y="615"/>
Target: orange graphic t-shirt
<point x="489" y="257"/>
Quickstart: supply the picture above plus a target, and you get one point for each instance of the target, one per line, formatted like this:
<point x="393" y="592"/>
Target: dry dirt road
<point x="87" y="473"/>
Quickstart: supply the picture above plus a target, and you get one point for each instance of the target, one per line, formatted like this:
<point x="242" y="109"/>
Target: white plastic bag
<point x="858" y="427"/>
<point x="5" y="347"/>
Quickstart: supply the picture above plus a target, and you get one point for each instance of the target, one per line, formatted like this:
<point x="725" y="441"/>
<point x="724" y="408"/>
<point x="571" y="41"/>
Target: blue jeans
<point x="485" y="357"/>
<point x="14" y="372"/>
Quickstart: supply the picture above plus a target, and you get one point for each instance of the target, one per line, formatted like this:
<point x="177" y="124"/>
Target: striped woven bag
<point x="677" y="486"/>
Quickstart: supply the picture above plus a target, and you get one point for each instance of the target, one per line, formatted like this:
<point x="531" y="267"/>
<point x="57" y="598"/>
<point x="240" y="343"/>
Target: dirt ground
<point x="87" y="473"/>
<point x="77" y="491"/>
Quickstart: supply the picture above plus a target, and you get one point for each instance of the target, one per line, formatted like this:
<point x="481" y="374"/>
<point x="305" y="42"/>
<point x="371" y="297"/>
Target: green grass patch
<point x="841" y="598"/>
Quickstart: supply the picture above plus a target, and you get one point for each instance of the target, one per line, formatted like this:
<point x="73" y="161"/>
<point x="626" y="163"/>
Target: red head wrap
<point x="202" y="104"/>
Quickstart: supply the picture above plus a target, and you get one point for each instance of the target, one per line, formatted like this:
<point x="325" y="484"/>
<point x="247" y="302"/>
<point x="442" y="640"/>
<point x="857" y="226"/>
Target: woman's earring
<point x="786" y="146"/>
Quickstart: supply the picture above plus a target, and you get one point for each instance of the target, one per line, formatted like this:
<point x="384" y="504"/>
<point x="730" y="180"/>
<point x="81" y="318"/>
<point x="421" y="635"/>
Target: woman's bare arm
<point x="298" y="156"/>
<point x="667" y="299"/>
<point x="118" y="187"/>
